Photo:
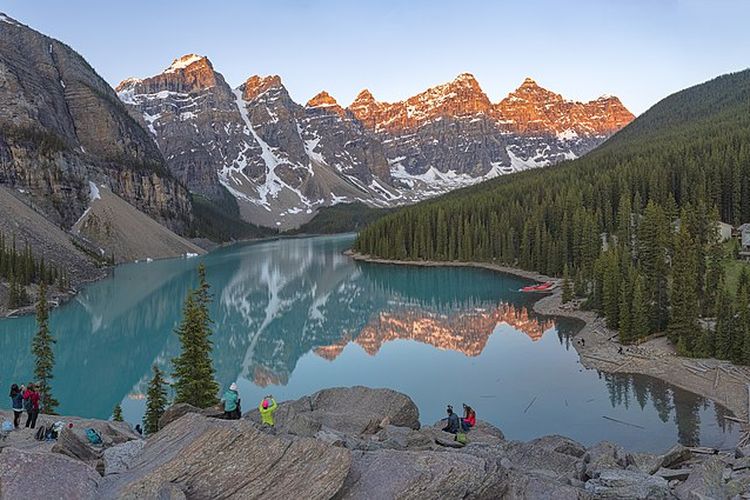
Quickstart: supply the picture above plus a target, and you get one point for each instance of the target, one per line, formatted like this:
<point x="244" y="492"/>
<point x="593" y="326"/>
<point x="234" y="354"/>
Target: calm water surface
<point x="294" y="316"/>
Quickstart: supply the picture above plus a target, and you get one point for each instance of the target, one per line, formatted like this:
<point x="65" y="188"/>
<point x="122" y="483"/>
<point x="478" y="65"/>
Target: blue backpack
<point x="94" y="437"/>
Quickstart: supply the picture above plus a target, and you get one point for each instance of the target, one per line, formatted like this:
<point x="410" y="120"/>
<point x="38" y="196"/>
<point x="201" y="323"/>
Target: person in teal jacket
<point x="267" y="407"/>
<point x="232" y="403"/>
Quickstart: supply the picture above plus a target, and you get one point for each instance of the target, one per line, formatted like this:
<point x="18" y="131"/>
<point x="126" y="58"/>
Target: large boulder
<point x="117" y="459"/>
<point x="402" y="438"/>
<point x="483" y="432"/>
<point x="712" y="479"/>
<point x="176" y="411"/>
<point x="413" y="474"/>
<point x="627" y="484"/>
<point x="351" y="410"/>
<point x="25" y="474"/>
<point x="542" y="458"/>
<point x="605" y="455"/>
<point x="523" y="486"/>
<point x="72" y="445"/>
<point x="650" y="464"/>
<point x="212" y="458"/>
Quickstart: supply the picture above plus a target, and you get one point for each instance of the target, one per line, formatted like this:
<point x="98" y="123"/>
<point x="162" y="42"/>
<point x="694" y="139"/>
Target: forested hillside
<point x="633" y="224"/>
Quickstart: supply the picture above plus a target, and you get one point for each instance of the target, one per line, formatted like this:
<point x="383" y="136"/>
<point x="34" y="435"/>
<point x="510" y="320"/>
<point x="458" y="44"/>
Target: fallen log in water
<point x="623" y="423"/>
<point x="532" y="402"/>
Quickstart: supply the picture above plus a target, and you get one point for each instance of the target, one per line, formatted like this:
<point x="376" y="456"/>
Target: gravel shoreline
<point x="598" y="348"/>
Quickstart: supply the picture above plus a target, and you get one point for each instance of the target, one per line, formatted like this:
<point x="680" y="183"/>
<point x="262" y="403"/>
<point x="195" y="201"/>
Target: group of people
<point x="457" y="424"/>
<point x="24" y="399"/>
<point x="233" y="409"/>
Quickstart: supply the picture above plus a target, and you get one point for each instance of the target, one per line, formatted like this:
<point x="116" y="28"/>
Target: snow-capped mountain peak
<point x="281" y="160"/>
<point x="183" y="62"/>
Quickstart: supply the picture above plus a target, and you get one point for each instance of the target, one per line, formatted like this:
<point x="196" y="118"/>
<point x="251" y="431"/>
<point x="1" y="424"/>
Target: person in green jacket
<point x="231" y="400"/>
<point x="267" y="407"/>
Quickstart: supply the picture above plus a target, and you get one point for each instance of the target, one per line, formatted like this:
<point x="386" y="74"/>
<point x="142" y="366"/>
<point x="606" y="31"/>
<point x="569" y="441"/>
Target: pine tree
<point x="117" y="413"/>
<point x="626" y="310"/>
<point x="683" y="322"/>
<point x="723" y="331"/>
<point x="714" y="278"/>
<point x="44" y="357"/>
<point x="653" y="233"/>
<point x="639" y="316"/>
<point x="156" y="402"/>
<point x="567" y="289"/>
<point x="193" y="369"/>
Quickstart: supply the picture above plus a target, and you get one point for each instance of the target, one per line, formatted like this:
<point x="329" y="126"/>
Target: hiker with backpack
<point x="31" y="405"/>
<point x="267" y="408"/>
<point x="231" y="401"/>
<point x="16" y="399"/>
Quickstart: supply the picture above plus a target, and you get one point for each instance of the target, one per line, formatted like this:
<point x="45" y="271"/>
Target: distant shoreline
<point x="597" y="347"/>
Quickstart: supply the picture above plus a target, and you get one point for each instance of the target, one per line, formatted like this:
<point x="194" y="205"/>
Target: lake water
<point x="293" y="316"/>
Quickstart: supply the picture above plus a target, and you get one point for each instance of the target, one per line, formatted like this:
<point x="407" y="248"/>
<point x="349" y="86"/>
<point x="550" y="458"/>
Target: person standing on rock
<point x="453" y="422"/>
<point x="31" y="405"/>
<point x="16" y="399"/>
<point x="231" y="400"/>
<point x="267" y="408"/>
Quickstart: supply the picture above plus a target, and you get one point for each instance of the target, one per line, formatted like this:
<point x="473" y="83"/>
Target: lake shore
<point x="598" y="347"/>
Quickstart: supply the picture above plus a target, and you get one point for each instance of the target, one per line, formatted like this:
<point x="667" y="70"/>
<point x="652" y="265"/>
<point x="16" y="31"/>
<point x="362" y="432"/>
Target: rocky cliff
<point x="283" y="161"/>
<point x="349" y="443"/>
<point x="61" y="126"/>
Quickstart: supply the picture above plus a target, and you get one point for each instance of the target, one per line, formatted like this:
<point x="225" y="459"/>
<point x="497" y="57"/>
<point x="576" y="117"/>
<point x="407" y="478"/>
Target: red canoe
<point x="542" y="287"/>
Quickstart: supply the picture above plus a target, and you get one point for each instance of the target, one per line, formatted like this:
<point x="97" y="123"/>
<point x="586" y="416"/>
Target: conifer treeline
<point x="634" y="222"/>
<point x="20" y="268"/>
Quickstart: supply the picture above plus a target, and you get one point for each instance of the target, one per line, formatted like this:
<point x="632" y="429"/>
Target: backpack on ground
<point x="461" y="437"/>
<point x="40" y="433"/>
<point x="7" y="426"/>
<point x="93" y="436"/>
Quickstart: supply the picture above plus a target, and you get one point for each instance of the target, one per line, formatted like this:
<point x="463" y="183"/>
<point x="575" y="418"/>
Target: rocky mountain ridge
<point x="281" y="161"/>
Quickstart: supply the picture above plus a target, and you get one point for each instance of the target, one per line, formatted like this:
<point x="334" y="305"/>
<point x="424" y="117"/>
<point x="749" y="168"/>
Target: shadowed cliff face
<point x="62" y="125"/>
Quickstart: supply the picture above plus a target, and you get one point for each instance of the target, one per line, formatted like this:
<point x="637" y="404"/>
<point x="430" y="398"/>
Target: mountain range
<point x="204" y="160"/>
<point x="281" y="161"/>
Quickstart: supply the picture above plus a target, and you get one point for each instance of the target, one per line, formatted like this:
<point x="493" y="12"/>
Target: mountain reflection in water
<point x="293" y="316"/>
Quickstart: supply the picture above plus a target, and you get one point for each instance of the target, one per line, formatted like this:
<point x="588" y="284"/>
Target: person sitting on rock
<point x="470" y="418"/>
<point x="267" y="407"/>
<point x="453" y="422"/>
<point x="231" y="400"/>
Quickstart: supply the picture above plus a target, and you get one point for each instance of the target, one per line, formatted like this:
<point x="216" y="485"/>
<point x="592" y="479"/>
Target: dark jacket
<point x="453" y="424"/>
<point x="17" y="400"/>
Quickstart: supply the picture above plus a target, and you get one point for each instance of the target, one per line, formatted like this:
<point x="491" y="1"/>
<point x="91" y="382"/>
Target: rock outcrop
<point x="357" y="443"/>
<point x="25" y="474"/>
<point x="212" y="458"/>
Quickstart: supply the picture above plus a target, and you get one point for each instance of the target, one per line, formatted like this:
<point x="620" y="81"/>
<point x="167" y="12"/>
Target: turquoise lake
<point x="294" y="316"/>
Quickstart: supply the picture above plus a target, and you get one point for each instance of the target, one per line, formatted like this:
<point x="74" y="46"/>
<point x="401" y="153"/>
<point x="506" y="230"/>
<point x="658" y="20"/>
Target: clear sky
<point x="639" y="50"/>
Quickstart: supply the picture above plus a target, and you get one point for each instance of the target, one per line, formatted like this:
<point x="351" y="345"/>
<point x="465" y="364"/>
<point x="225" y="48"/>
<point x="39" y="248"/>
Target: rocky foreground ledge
<point x="349" y="443"/>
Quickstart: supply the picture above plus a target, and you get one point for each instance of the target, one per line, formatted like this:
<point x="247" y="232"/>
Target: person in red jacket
<point x="470" y="418"/>
<point x="31" y="405"/>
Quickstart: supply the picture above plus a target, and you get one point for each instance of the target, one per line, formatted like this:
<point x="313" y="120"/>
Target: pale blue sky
<point x="638" y="50"/>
